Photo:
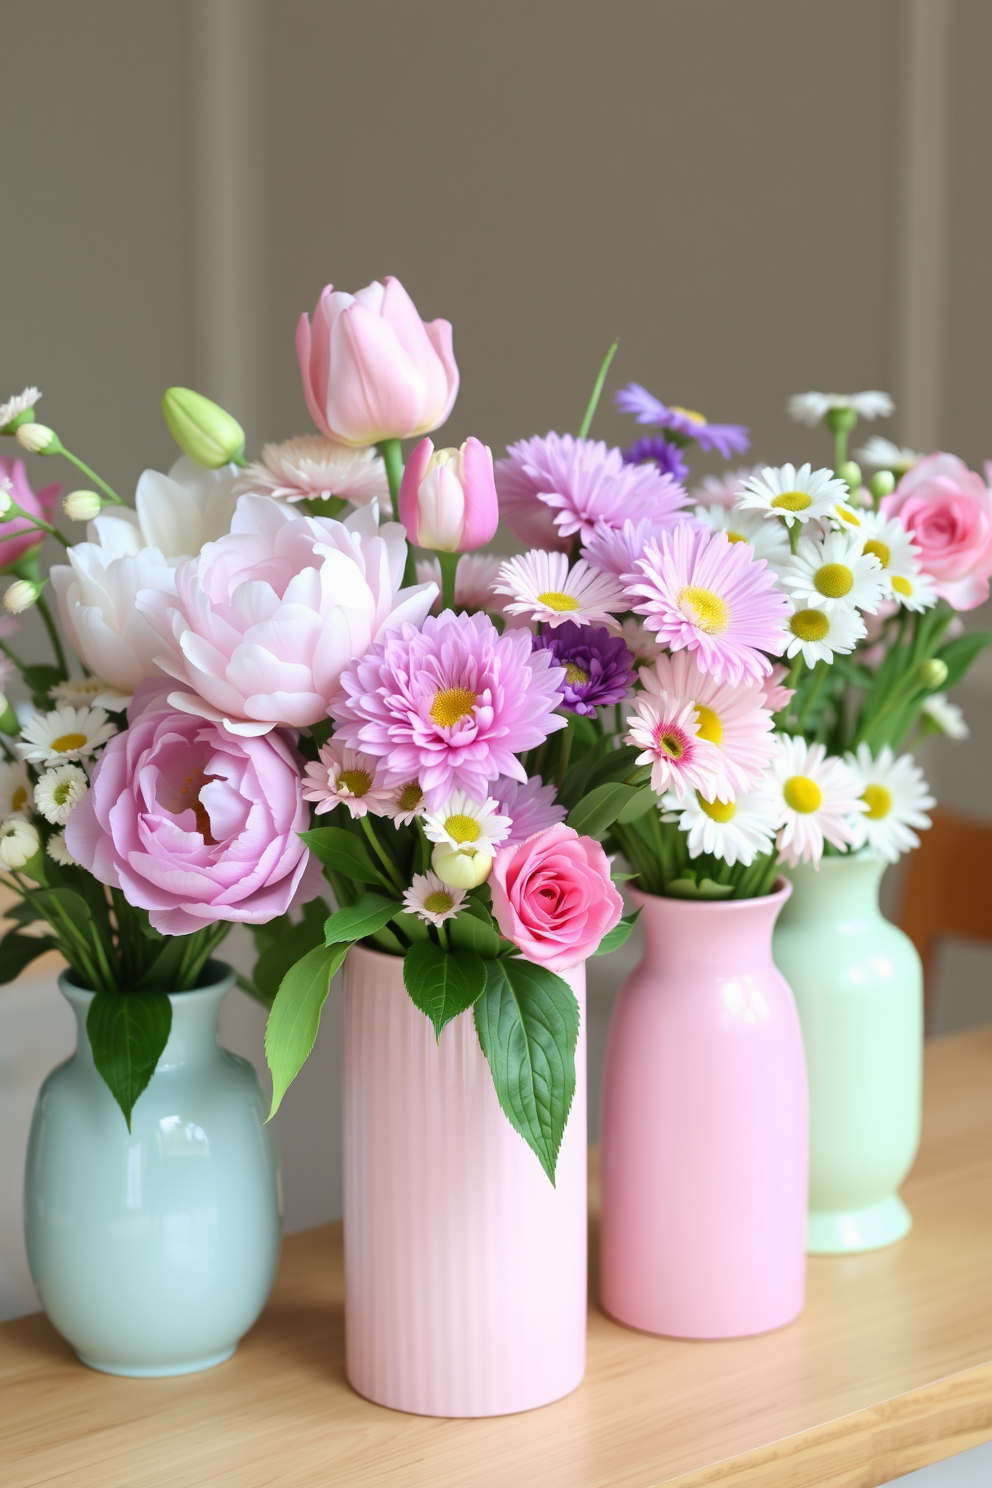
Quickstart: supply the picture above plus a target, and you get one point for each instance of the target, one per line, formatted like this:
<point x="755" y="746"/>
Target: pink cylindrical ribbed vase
<point x="465" y="1270"/>
<point x="705" y="1128"/>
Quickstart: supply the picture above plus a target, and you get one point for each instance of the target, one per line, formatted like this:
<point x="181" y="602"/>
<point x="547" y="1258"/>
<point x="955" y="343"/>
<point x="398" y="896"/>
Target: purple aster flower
<point x="451" y="705"/>
<point x="667" y="456"/>
<point x="531" y="807"/>
<point x="647" y="409"/>
<point x="598" y="667"/>
<point x="554" y="487"/>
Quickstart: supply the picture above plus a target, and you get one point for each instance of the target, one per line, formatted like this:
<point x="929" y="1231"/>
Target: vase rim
<point x="223" y="981"/>
<point x="862" y="855"/>
<point x="778" y="896"/>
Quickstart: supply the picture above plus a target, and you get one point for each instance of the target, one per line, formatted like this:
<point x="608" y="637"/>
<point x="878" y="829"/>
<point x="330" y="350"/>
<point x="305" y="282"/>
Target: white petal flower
<point x="882" y="454"/>
<point x="794" y="495"/>
<point x="834" y="571"/>
<point x="466" y="825"/>
<point x="14" y="407"/>
<point x="736" y="831"/>
<point x="19" y="841"/>
<point x="58" y="791"/>
<point x="58" y="852"/>
<point x="768" y="540"/>
<point x="812" y="408"/>
<point x="314" y="468"/>
<point x="896" y="799"/>
<point x="822" y="634"/>
<point x="816" y="796"/>
<point x="405" y="803"/>
<point x="431" y="899"/>
<point x="946" y="715"/>
<point x="889" y="542"/>
<point x="64" y="734"/>
<point x="541" y="586"/>
<point x="176" y="513"/>
<point x="16" y="791"/>
<point x="91" y="692"/>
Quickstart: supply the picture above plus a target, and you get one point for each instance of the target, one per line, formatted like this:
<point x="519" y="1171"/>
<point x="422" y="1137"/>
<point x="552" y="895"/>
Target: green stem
<point x="392" y="455"/>
<point x="15" y="511"/>
<point x="794" y="535"/>
<point x="597" y="391"/>
<point x="108" y="491"/>
<point x="53" y="635"/>
<point x="449" y="568"/>
<point x="810" y="698"/>
<point x="382" y="855"/>
<point x="840" y="448"/>
<point x="563" y="758"/>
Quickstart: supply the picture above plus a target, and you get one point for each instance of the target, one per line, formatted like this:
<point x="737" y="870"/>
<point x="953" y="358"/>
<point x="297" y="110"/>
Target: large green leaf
<point x="473" y="930"/>
<point x="618" y="936"/>
<point x="18" y="951"/>
<point x="127" y="1033"/>
<point x="528" y="1024"/>
<point x="295" y="1017"/>
<point x="597" y="811"/>
<point x="343" y="852"/>
<point x="442" y="983"/>
<point x="368" y="914"/>
<point x="959" y="654"/>
<point x="289" y="947"/>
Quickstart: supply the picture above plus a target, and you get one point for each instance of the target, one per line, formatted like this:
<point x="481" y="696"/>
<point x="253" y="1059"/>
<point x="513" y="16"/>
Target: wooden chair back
<point x="948" y="890"/>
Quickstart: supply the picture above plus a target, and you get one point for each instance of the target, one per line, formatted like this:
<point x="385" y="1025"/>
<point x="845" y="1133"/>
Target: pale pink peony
<point x="552" y="896"/>
<point x="264" y="622"/>
<point x="372" y="369"/>
<point x="19" y="537"/>
<point x="948" y="510"/>
<point x="193" y="824"/>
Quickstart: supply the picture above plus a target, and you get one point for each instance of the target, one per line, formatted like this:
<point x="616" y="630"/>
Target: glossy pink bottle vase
<point x="705" y="1128"/>
<point x="465" y="1270"/>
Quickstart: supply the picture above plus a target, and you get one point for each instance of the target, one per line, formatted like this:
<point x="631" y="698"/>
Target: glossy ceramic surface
<point x="704" y="1128"/>
<point x="859" y="990"/>
<point x="154" y="1251"/>
<point x="465" y="1270"/>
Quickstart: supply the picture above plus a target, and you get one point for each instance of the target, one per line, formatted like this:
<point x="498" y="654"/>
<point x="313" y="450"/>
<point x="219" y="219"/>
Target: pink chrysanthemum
<point x="531" y="807"/>
<point x="617" y="550"/>
<point x="702" y="593"/>
<point x="551" y="488"/>
<point x="451" y="705"/>
<point x="667" y="732"/>
<point x="344" y="777"/>
<point x="735" y="720"/>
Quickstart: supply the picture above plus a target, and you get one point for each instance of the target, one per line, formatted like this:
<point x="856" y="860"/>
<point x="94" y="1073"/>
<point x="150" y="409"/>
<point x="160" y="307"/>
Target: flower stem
<point x="392" y="456"/>
<point x="53" y="635"/>
<point x="449" y="568"/>
<point x="15" y="511"/>
<point x="597" y="391"/>
<point x="108" y="491"/>
<point x="382" y="855"/>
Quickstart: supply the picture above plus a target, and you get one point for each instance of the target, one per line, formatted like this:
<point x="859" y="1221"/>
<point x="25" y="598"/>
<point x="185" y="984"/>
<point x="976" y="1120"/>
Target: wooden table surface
<point x="889" y="1368"/>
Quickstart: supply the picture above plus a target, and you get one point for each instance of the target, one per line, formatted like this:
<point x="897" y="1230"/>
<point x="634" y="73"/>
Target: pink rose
<point x="948" y="510"/>
<point x="195" y="824"/>
<point x="552" y="896"/>
<point x="19" y="536"/>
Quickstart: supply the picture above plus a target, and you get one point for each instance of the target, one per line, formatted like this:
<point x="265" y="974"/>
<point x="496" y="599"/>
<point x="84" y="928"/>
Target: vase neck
<point x="842" y="889"/>
<point x="692" y="936"/>
<point x="195" y="1015"/>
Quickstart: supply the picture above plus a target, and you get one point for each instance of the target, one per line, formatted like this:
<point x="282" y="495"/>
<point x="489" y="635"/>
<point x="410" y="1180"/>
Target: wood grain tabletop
<point x="888" y="1369"/>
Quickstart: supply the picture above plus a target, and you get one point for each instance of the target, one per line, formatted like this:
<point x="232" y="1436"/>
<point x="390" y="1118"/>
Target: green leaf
<point x="294" y="943"/>
<point x="295" y="1017"/>
<point x="364" y="917"/>
<point x="18" y="951"/>
<point x="412" y="926"/>
<point x="127" y="1033"/>
<point x="640" y="804"/>
<point x="706" y="888"/>
<point x="468" y="931"/>
<point x="618" y="936"/>
<point x="342" y="852"/>
<point x="600" y="808"/>
<point x="959" y="654"/>
<point x="441" y="983"/>
<point x="41" y="680"/>
<point x="528" y="1024"/>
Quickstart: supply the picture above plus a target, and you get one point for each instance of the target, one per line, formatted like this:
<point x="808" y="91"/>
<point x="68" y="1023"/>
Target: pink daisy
<point x="531" y="807"/>
<point x="551" y="488"/>
<point x="734" y="719"/>
<point x="344" y="777"/>
<point x="777" y="696"/>
<point x="541" y="586"/>
<point x="451" y="705"/>
<point x="667" y="732"/>
<point x="617" y="550"/>
<point x="703" y="593"/>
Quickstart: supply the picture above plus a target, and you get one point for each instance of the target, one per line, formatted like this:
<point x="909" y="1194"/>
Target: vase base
<point x="156" y="1371"/>
<point x="832" y="1232"/>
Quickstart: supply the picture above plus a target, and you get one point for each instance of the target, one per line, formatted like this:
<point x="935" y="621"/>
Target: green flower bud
<point x="38" y="439"/>
<point x="202" y="429"/>
<point x="840" y="420"/>
<point x="882" y="483"/>
<point x="932" y="673"/>
<point x="850" y="472"/>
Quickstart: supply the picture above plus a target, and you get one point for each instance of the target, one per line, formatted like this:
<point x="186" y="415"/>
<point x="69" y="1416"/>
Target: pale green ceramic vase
<point x="858" y="986"/>
<point x="154" y="1250"/>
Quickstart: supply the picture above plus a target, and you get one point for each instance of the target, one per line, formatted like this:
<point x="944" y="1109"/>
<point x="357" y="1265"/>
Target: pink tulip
<point x="372" y="369"/>
<point x="448" y="498"/>
<point x="17" y="537"/>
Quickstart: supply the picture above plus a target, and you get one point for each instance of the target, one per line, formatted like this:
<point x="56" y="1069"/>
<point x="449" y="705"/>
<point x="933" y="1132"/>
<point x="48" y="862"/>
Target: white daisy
<point x="65" y="733"/>
<point x="947" y="716"/>
<point x="816" y="796"/>
<point x="882" y="454"/>
<point x="468" y="826"/>
<point x="794" y="495"/>
<point x="405" y="803"/>
<point x="58" y="852"/>
<point x="91" y="691"/>
<point x="812" y="408"/>
<point x="314" y="468"/>
<point x="431" y="899"/>
<point x="847" y="517"/>
<point x="889" y="542"/>
<point x="831" y="571"/>
<point x="897" y="799"/>
<point x="768" y="540"/>
<point x="916" y="593"/>
<point x="344" y="777"/>
<point x="58" y="791"/>
<point x="14" y="407"/>
<point x="19" y="841"/>
<point x="736" y="831"/>
<point x="823" y="634"/>
<point x="15" y="789"/>
<point x="666" y="730"/>
<point x="543" y="587"/>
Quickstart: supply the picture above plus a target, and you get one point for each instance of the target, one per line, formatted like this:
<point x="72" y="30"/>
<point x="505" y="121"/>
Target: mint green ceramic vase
<point x="858" y="986"/>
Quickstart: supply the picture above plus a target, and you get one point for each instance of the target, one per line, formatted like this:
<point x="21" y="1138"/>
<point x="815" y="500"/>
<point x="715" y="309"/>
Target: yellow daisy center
<point x="411" y="796"/>
<point x="710" y="727"/>
<point x="672" y="744"/>
<point x="689" y="413"/>
<point x="62" y="792"/>
<point x="794" y="501"/>
<point x="438" y="902"/>
<point x="556" y="600"/>
<point x="451" y="705"/>
<point x="575" y="674"/>
<point x="736" y="537"/>
<point x="718" y="811"/>
<point x="809" y="625"/>
<point x="704" y="608"/>
<point x="880" y="550"/>
<point x="901" y="585"/>
<point x="462" y="828"/>
<point x="802" y="794"/>
<point x="878" y="801"/>
<point x="847" y="515"/>
<point x="356" y="781"/>
<point x="65" y="742"/>
<point x="833" y="580"/>
<point x="19" y="799"/>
